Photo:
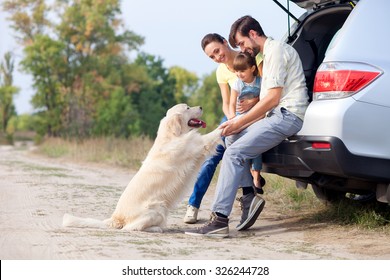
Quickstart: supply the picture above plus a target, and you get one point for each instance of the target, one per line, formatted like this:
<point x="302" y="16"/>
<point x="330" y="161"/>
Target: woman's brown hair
<point x="211" y="37"/>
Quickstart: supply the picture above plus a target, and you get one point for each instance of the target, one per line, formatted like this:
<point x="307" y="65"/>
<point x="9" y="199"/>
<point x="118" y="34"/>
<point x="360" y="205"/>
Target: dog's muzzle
<point x="196" y="123"/>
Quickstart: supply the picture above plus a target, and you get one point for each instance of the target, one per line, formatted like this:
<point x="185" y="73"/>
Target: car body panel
<point x="354" y="127"/>
<point x="366" y="48"/>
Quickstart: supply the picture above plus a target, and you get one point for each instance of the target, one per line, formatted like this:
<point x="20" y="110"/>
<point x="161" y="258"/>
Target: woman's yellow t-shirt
<point x="225" y="76"/>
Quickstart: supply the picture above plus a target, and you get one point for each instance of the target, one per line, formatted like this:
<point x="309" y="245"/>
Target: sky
<point x="172" y="30"/>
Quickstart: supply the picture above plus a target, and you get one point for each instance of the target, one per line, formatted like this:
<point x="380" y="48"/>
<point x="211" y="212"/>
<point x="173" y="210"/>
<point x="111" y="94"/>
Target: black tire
<point x="364" y="198"/>
<point x="328" y="195"/>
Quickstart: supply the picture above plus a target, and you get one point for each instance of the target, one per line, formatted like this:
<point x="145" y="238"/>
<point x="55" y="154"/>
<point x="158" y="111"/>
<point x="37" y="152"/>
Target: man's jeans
<point x="248" y="144"/>
<point x="204" y="177"/>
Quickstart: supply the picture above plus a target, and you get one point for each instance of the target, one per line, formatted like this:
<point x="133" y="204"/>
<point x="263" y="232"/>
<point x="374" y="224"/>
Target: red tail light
<point x="338" y="80"/>
<point x="320" y="145"/>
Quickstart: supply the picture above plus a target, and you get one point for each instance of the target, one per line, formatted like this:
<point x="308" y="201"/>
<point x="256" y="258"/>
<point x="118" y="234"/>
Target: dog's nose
<point x="200" y="107"/>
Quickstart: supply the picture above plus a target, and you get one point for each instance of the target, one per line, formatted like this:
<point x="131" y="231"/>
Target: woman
<point x="217" y="48"/>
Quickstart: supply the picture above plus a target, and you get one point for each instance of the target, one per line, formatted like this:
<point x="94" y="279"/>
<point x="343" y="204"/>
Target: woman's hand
<point x="245" y="105"/>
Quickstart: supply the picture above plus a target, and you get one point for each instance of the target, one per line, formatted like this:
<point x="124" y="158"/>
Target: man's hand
<point x="230" y="127"/>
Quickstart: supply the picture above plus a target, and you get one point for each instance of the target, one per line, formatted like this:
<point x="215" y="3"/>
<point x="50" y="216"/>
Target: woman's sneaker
<point x="191" y="216"/>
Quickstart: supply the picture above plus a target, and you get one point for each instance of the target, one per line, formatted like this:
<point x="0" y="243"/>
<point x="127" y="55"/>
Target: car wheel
<point x="328" y="195"/>
<point x="363" y="198"/>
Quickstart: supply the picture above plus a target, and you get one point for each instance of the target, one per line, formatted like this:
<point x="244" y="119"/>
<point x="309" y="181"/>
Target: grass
<point x="287" y="197"/>
<point x="279" y="192"/>
<point x="117" y="152"/>
<point x="370" y="216"/>
<point x="18" y="136"/>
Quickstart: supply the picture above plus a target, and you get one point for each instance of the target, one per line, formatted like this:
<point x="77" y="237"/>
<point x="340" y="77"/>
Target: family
<point x="264" y="99"/>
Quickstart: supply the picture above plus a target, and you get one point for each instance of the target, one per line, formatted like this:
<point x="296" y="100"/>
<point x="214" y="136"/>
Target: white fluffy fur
<point x="170" y="167"/>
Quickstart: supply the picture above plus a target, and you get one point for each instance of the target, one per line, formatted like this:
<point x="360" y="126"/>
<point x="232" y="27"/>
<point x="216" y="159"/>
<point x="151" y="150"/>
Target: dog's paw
<point x="213" y="137"/>
<point x="217" y="132"/>
<point x="212" y="140"/>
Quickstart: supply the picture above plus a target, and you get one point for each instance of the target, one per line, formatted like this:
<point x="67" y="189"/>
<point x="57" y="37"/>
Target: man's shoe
<point x="191" y="216"/>
<point x="251" y="206"/>
<point x="217" y="227"/>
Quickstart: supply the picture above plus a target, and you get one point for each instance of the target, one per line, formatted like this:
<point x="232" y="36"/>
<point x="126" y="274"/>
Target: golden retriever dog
<point x="170" y="167"/>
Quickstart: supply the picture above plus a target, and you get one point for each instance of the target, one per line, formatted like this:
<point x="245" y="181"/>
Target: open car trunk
<point x="312" y="34"/>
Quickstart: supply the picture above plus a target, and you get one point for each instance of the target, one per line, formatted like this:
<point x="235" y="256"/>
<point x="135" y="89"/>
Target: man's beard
<point x="255" y="50"/>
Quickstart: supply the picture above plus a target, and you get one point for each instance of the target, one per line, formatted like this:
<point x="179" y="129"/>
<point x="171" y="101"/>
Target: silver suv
<point x="344" y="144"/>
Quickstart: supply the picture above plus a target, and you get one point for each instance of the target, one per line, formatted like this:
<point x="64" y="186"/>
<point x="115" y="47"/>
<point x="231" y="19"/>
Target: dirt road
<point x="35" y="192"/>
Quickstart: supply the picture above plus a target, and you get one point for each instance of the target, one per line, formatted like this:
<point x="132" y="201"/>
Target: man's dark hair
<point x="211" y="37"/>
<point x="243" y="25"/>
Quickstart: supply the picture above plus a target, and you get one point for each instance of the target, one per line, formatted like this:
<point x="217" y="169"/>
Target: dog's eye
<point x="188" y="108"/>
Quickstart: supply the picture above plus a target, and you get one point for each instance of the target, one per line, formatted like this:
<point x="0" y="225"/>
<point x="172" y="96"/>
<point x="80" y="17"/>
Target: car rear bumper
<point x="296" y="158"/>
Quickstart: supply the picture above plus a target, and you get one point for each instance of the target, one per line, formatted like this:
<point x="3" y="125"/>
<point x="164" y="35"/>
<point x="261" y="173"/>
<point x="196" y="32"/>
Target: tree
<point x="155" y="97"/>
<point x="7" y="91"/>
<point x="77" y="60"/>
<point x="186" y="83"/>
<point x="116" y="116"/>
<point x="85" y="82"/>
<point x="209" y="97"/>
<point x="28" y="17"/>
<point x="44" y="60"/>
<point x="96" y="43"/>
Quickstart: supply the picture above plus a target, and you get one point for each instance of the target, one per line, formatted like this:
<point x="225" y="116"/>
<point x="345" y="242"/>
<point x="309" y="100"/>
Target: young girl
<point x="247" y="86"/>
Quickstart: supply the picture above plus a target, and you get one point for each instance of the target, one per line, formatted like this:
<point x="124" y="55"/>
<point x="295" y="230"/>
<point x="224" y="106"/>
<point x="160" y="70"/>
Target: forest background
<point x="85" y="82"/>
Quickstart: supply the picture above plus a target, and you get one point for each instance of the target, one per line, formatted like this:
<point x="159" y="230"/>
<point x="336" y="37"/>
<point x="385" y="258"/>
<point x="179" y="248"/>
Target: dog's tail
<point x="72" y="221"/>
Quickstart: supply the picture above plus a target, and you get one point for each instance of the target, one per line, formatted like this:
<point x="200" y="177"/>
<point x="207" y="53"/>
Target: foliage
<point x="44" y="61"/>
<point x="7" y="92"/>
<point x="85" y="83"/>
<point x="209" y="97"/>
<point x="116" y="116"/>
<point x="186" y="83"/>
<point x="155" y="96"/>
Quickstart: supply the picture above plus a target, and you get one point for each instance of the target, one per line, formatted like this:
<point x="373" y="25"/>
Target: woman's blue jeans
<point x="205" y="175"/>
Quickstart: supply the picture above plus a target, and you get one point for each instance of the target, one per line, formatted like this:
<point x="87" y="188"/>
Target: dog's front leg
<point x="212" y="140"/>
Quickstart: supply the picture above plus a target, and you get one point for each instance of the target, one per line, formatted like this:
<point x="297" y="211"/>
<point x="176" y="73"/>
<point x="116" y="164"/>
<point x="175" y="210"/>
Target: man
<point x="278" y="115"/>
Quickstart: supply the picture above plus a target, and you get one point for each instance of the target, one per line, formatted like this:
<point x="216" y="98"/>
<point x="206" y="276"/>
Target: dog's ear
<point x="174" y="124"/>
